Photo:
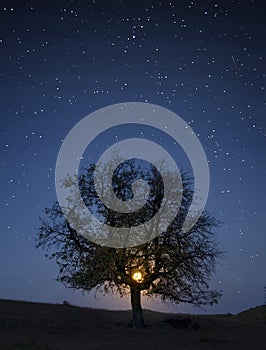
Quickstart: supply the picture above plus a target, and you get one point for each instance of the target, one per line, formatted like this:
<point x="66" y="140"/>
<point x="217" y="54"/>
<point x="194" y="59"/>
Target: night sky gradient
<point x="204" y="60"/>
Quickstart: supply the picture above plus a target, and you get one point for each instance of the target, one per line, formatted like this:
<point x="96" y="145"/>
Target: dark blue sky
<point x="204" y="60"/>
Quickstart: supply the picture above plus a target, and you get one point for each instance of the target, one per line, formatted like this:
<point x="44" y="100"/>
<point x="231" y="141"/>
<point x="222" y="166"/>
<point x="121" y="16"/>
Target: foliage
<point x="175" y="266"/>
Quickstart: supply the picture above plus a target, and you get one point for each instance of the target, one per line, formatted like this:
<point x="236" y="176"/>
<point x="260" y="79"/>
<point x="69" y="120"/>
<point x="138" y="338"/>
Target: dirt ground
<point x="36" y="326"/>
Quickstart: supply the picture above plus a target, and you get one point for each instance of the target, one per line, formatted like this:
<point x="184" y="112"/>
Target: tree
<point x="174" y="265"/>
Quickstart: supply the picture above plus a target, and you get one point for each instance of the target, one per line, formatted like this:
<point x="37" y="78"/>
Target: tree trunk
<point x="138" y="319"/>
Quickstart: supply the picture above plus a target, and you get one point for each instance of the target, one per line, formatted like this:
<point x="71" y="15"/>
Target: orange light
<point x="137" y="276"/>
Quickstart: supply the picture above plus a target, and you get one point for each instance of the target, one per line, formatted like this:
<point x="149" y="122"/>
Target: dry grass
<point x="37" y="326"/>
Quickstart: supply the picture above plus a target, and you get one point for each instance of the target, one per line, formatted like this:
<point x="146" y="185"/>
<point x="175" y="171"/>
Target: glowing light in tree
<point x="137" y="276"/>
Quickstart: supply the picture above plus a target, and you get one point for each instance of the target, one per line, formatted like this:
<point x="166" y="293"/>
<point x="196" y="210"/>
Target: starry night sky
<point x="204" y="60"/>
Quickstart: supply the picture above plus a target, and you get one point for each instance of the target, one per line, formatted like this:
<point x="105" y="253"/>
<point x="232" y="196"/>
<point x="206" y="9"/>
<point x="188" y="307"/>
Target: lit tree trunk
<point x="138" y="319"/>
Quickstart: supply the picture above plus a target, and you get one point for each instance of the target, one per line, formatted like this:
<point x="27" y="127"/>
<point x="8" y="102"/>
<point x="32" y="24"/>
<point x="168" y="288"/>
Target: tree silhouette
<point x="173" y="265"/>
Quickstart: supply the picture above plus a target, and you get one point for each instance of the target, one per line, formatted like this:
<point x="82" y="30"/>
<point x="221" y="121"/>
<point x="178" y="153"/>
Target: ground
<point x="37" y="326"/>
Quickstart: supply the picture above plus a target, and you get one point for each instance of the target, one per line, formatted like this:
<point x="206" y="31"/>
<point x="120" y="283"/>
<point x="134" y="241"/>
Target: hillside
<point x="34" y="326"/>
<point x="254" y="315"/>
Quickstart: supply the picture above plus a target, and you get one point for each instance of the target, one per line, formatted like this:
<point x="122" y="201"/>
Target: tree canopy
<point x="173" y="265"/>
